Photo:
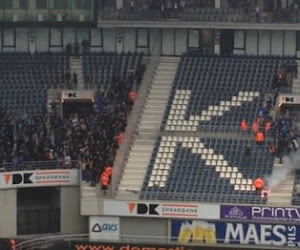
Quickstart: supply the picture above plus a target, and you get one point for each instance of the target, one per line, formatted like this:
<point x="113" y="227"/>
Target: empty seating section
<point x="101" y="68"/>
<point x="225" y="90"/>
<point x="205" y="169"/>
<point x="212" y="92"/>
<point x="25" y="78"/>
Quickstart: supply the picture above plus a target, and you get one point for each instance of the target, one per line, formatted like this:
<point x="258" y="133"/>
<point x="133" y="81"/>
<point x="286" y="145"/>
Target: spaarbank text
<point x="36" y="178"/>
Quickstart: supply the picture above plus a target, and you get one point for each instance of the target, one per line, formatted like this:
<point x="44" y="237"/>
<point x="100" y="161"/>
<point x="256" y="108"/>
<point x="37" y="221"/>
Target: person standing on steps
<point x="75" y="80"/>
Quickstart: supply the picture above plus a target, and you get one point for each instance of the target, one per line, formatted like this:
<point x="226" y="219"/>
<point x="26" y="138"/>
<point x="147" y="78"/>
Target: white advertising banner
<point x="39" y="178"/>
<point x="162" y="209"/>
<point x="77" y="94"/>
<point x="289" y="99"/>
<point x="104" y="228"/>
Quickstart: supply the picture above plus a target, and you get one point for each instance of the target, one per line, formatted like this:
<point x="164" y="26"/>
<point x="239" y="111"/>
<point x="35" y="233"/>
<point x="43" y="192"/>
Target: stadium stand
<point x="232" y="11"/>
<point x="212" y="93"/>
<point x="25" y="79"/>
<point x="216" y="86"/>
<point x="102" y="69"/>
<point x="28" y="133"/>
<point x="188" y="173"/>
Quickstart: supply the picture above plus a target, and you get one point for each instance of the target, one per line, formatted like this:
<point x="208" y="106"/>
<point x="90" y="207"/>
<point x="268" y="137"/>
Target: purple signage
<point x="266" y="213"/>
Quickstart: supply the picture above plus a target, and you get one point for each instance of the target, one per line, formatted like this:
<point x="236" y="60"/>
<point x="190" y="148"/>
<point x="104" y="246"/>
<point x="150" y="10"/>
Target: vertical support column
<point x="218" y="4"/>
<point x="119" y="4"/>
<point x="71" y="222"/>
<point x="31" y="5"/>
<point x="15" y="4"/>
<point x="8" y="213"/>
<point x="119" y="40"/>
<point x="284" y="4"/>
<point x="217" y="47"/>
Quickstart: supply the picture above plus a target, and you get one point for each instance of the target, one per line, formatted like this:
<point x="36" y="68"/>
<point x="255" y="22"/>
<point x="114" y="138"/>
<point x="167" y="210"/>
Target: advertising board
<point x="289" y="99"/>
<point x="77" y="94"/>
<point x="39" y="178"/>
<point x="132" y="246"/>
<point x="104" y="228"/>
<point x="162" y="209"/>
<point x="216" y="232"/>
<point x="260" y="213"/>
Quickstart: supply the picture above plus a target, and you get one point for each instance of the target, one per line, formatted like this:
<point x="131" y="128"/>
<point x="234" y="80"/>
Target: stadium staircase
<point x="52" y="95"/>
<point x="282" y="194"/>
<point x="149" y="126"/>
<point x="76" y="65"/>
<point x="296" y="81"/>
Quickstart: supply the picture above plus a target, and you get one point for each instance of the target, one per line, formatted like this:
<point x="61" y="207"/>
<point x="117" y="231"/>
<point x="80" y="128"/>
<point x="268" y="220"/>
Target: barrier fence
<point x="136" y="195"/>
<point x="33" y="165"/>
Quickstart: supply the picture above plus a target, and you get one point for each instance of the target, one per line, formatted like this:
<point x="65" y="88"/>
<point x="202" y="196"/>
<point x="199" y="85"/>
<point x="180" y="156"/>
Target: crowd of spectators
<point x="283" y="128"/>
<point x="90" y="138"/>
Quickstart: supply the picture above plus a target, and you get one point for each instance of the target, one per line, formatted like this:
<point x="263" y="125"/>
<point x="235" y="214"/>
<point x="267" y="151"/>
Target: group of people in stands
<point x="91" y="138"/>
<point x="75" y="48"/>
<point x="286" y="126"/>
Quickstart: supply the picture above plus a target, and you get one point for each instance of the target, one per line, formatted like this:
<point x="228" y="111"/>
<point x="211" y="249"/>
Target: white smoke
<point x="289" y="164"/>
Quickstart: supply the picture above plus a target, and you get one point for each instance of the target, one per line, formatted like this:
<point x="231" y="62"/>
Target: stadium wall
<point x="71" y="222"/>
<point x="174" y="41"/>
<point x="8" y="213"/>
<point x="138" y="228"/>
<point x="70" y="219"/>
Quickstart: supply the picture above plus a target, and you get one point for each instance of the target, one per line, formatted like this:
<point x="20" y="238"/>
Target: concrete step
<point x="132" y="185"/>
<point x="152" y="113"/>
<point x="169" y="60"/>
<point x="154" y="108"/>
<point x="138" y="157"/>
<point x="161" y="95"/>
<point x="125" y="187"/>
<point x="151" y="116"/>
<point x="156" y="102"/>
<point x="158" y="96"/>
<point x="135" y="171"/>
<point x="147" y="120"/>
<point x="163" y="72"/>
<point x="140" y="148"/>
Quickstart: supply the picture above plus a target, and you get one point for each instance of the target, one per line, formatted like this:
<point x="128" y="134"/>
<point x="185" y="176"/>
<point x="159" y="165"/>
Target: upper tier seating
<point x="25" y="78"/>
<point x="215" y="93"/>
<point x="187" y="14"/>
<point x="91" y="136"/>
<point x="205" y="169"/>
<point x="225" y="91"/>
<point x="100" y="69"/>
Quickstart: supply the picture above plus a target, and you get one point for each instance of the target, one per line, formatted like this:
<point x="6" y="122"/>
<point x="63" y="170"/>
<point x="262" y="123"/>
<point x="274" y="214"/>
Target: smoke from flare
<point x="289" y="163"/>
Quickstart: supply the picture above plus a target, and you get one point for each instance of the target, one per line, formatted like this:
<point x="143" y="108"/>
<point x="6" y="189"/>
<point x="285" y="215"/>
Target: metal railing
<point x="136" y="195"/>
<point x="49" y="240"/>
<point x="237" y="16"/>
<point x="33" y="165"/>
<point x="211" y="130"/>
<point x="45" y="15"/>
